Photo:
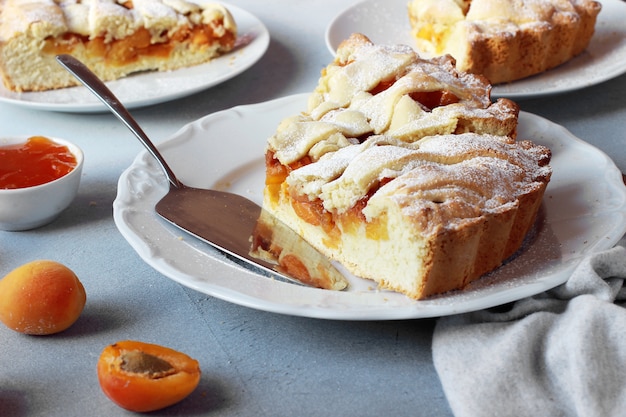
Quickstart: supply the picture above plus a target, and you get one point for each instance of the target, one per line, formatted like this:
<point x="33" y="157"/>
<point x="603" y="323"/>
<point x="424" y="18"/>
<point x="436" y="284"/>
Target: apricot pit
<point x="144" y="363"/>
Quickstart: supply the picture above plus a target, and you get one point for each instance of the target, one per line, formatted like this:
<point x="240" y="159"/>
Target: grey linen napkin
<point x="560" y="353"/>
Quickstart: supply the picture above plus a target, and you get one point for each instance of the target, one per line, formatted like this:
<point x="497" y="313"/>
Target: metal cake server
<point x="227" y="221"/>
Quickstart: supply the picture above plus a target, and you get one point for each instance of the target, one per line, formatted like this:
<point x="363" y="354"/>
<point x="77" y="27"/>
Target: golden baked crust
<point x="504" y="40"/>
<point x="420" y="198"/>
<point x="113" y="37"/>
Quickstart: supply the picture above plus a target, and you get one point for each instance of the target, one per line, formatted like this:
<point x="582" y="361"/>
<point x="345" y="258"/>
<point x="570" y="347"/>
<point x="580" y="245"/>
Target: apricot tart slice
<point x="404" y="171"/>
<point x="113" y="38"/>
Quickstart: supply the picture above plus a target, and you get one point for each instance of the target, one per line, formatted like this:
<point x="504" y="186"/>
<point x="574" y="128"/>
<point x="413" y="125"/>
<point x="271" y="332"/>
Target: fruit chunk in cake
<point x="113" y="37"/>
<point x="404" y="171"/>
<point x="504" y="40"/>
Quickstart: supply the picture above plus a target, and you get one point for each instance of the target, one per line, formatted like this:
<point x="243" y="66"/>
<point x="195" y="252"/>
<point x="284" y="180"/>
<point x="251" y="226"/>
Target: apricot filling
<point x="140" y="44"/>
<point x="428" y="99"/>
<point x="313" y="212"/>
<point x="433" y="99"/>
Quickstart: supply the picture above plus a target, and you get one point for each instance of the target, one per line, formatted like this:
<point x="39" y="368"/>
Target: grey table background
<point x="254" y="363"/>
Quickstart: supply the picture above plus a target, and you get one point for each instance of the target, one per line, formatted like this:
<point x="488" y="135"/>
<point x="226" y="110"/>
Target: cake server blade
<point x="245" y="230"/>
<point x="227" y="221"/>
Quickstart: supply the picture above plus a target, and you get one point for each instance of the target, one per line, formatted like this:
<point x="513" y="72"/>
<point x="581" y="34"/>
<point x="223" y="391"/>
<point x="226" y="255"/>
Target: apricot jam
<point x="37" y="161"/>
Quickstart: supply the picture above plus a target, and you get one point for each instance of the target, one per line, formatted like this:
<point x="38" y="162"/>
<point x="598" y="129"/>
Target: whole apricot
<point x="40" y="298"/>
<point x="144" y="377"/>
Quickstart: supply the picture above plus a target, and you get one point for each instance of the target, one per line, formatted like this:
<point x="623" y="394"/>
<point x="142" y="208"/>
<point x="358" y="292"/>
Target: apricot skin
<point x="142" y="387"/>
<point x="41" y="298"/>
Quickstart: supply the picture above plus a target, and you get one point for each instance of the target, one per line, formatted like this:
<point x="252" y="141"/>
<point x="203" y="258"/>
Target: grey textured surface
<point x="254" y="363"/>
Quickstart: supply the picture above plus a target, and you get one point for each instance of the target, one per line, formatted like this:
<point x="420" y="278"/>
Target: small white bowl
<point x="31" y="207"/>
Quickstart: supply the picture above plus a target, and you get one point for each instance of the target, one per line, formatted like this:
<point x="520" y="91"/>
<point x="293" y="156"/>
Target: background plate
<point x="155" y="87"/>
<point x="584" y="210"/>
<point x="386" y="21"/>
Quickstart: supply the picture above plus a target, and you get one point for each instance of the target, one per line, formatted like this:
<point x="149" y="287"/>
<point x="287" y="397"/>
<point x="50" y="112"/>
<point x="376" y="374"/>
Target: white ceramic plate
<point x="386" y="21"/>
<point x="584" y="210"/>
<point x="144" y="89"/>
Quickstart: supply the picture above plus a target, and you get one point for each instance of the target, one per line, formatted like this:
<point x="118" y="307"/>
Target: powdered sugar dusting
<point x="388" y="89"/>
<point x="454" y="161"/>
<point x="109" y="18"/>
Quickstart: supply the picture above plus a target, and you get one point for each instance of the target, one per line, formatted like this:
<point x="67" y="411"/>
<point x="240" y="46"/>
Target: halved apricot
<point x="40" y="298"/>
<point x="144" y="377"/>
